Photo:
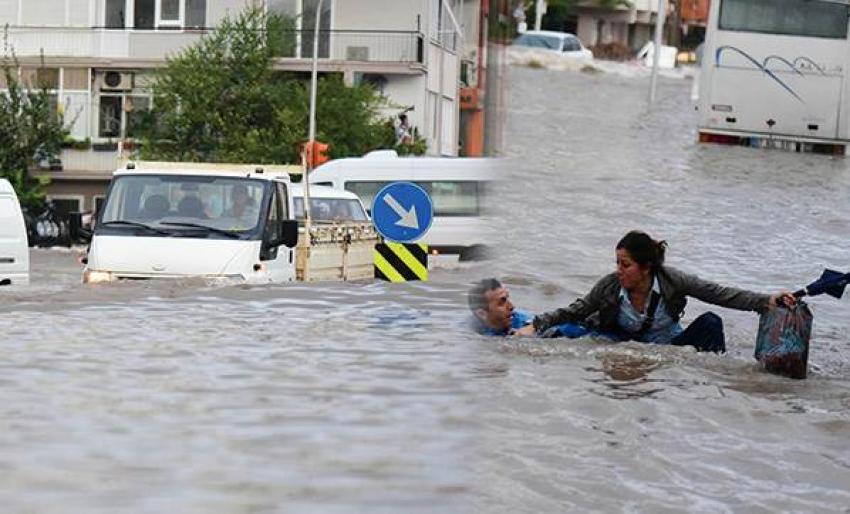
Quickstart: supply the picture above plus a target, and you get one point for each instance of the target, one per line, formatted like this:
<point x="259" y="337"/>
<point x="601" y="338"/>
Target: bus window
<point x="817" y="18"/>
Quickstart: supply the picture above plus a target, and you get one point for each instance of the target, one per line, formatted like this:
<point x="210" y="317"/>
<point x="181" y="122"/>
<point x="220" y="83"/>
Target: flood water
<point x="197" y="397"/>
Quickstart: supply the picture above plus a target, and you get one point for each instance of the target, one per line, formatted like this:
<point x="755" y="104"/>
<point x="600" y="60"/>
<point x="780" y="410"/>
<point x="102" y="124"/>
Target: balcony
<point x="149" y="48"/>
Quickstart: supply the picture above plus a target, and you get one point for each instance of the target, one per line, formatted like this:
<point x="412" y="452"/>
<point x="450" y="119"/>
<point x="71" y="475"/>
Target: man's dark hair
<point x="476" y="296"/>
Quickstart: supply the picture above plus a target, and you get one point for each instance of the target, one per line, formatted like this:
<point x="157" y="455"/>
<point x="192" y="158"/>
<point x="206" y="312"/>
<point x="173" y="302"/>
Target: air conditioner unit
<point x="117" y="81"/>
<point x="357" y="53"/>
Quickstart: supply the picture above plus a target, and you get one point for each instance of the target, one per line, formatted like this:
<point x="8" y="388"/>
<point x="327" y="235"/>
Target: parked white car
<point x="14" y="252"/>
<point x="550" y="42"/>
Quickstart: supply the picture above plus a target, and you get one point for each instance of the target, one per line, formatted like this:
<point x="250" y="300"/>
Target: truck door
<point x="280" y="261"/>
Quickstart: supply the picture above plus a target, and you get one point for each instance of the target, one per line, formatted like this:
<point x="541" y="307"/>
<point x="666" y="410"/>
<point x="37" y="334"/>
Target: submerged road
<point x="193" y="397"/>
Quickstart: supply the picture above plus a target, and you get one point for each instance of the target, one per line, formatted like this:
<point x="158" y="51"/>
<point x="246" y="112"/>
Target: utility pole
<point x="309" y="153"/>
<point x="539" y="11"/>
<point x="311" y="137"/>
<point x="659" y="29"/>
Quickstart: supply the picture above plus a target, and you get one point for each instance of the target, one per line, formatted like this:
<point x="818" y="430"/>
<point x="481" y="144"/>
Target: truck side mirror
<point x="282" y="232"/>
<point x="289" y="233"/>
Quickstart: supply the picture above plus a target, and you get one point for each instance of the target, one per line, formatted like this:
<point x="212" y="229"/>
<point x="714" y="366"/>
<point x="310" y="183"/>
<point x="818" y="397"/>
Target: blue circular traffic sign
<point x="402" y="212"/>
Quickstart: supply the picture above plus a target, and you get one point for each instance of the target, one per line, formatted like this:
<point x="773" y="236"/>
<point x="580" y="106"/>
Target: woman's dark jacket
<point x="600" y="308"/>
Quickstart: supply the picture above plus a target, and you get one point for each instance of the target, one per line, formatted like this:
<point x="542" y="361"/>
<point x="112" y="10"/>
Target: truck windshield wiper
<point x="135" y="224"/>
<point x="208" y="228"/>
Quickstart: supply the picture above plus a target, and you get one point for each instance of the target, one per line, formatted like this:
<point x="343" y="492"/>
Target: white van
<point x="457" y="187"/>
<point x="14" y="251"/>
<point x="328" y="204"/>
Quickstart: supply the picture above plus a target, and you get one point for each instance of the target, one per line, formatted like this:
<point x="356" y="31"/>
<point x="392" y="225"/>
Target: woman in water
<point x="644" y="301"/>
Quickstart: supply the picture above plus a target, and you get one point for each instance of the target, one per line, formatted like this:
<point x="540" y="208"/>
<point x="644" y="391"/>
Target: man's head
<point x="239" y="194"/>
<point x="490" y="302"/>
<point x="241" y="200"/>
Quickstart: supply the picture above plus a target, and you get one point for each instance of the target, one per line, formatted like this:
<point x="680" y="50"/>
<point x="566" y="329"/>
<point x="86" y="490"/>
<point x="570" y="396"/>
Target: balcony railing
<point x="404" y="47"/>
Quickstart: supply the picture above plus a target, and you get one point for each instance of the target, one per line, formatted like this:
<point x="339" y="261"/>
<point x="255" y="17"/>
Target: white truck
<point x="14" y="251"/>
<point x="171" y="220"/>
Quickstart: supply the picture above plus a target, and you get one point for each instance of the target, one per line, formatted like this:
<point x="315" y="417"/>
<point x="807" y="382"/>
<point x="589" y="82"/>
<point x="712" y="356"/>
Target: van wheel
<point x="475" y="253"/>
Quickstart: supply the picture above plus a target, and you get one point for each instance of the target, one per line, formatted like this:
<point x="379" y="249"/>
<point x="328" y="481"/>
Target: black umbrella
<point x="830" y="282"/>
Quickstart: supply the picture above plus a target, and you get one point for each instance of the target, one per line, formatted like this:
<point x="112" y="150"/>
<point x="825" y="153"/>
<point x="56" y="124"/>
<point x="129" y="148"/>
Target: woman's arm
<point x="711" y="292"/>
<point x="578" y="311"/>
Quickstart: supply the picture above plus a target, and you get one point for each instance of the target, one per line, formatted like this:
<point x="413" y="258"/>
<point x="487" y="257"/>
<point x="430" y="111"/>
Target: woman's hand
<point x="785" y="298"/>
<point x="526" y="331"/>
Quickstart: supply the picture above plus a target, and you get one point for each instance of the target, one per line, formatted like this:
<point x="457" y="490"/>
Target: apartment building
<point x="99" y="57"/>
<point x="631" y="24"/>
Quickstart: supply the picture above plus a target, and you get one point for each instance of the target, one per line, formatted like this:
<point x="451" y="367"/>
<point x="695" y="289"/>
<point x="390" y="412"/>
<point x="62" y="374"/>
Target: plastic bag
<point x="782" y="344"/>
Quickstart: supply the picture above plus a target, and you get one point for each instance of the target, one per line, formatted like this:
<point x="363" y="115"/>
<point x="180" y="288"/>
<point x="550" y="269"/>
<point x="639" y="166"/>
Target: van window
<point x="366" y="191"/>
<point x="453" y="198"/>
<point x="331" y="209"/>
<point x="450" y="198"/>
<point x="816" y="18"/>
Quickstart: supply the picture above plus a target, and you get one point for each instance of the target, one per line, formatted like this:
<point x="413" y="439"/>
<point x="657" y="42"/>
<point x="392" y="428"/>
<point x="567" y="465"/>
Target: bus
<point x="773" y="75"/>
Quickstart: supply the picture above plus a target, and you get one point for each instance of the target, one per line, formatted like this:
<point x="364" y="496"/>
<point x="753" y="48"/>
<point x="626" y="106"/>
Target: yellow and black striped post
<point x="400" y="262"/>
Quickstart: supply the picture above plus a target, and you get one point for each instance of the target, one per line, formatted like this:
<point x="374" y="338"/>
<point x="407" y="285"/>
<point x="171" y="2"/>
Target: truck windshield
<point x="193" y="206"/>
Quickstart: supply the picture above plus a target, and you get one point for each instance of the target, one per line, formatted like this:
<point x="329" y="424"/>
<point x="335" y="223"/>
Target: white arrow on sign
<point x="408" y="217"/>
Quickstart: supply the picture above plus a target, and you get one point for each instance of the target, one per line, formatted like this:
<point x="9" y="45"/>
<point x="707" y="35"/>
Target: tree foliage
<point x="221" y="101"/>
<point x="30" y="131"/>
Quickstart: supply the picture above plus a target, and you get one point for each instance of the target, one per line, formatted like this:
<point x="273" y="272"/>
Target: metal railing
<point x="377" y="46"/>
<point x="353" y="45"/>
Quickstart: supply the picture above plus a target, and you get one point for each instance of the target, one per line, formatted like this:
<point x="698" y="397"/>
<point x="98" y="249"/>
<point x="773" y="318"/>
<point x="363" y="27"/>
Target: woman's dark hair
<point x="643" y="249"/>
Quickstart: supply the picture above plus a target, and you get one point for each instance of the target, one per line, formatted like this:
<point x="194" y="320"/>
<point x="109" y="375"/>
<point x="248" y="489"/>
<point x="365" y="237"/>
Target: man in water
<point x="493" y="313"/>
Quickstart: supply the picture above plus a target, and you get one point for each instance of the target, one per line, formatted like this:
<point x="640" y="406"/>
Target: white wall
<point x="403" y="91"/>
<point x="377" y="14"/>
<point x="9" y="12"/>
<point x="43" y="12"/>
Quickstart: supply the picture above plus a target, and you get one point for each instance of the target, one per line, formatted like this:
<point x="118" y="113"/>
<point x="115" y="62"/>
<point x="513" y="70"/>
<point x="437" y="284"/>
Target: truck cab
<point x="14" y="251"/>
<point x="170" y="220"/>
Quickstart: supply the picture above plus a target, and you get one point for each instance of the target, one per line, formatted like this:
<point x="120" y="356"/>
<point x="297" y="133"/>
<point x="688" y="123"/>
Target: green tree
<point x="30" y="131"/>
<point x="221" y="101"/>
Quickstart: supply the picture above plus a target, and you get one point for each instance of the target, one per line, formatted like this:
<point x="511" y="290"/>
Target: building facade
<point x="631" y="25"/>
<point x="98" y="59"/>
